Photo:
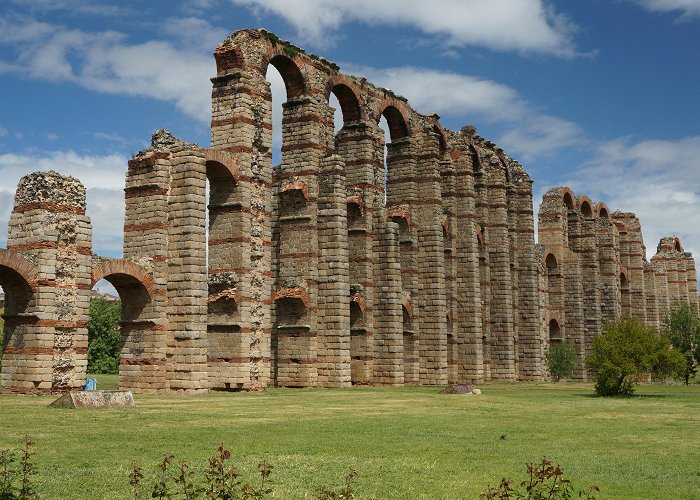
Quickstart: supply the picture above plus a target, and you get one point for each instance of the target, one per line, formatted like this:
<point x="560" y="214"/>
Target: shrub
<point x="625" y="350"/>
<point x="543" y="481"/>
<point x="16" y="475"/>
<point x="561" y="360"/>
<point x="684" y="332"/>
<point x="103" y="336"/>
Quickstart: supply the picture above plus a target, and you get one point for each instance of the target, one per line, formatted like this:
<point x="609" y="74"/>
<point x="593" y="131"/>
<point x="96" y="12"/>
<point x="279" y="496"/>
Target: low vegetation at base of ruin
<point x="625" y="351"/>
<point x="408" y="442"/>
<point x="561" y="360"/>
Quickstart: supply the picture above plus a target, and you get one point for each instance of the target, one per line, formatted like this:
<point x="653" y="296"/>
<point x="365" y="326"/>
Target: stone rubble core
<point x="321" y="272"/>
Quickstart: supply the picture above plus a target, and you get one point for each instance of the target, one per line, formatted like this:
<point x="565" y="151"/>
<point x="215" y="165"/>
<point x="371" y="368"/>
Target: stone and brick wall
<point x="335" y="267"/>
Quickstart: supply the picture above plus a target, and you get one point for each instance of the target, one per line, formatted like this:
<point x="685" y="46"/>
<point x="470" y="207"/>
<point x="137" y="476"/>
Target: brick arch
<point x="220" y="163"/>
<point x="124" y="272"/>
<point x="442" y="139"/>
<point x="18" y="277"/>
<point x="396" y="116"/>
<point x="585" y="206"/>
<point x="602" y="210"/>
<point x="547" y="258"/>
<point x="294" y="81"/>
<point x="348" y="97"/>
<point x="16" y="262"/>
<point x="568" y="198"/>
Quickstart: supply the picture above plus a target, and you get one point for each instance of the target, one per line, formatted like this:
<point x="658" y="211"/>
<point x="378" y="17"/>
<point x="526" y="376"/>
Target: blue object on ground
<point x="90" y="384"/>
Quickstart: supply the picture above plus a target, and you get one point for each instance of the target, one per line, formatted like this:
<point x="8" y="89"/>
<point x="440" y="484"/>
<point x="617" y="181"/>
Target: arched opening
<point x="485" y="286"/>
<point x="292" y="344"/>
<point x="286" y="85"/>
<point x="343" y="100"/>
<point x="140" y="351"/>
<point x="603" y="213"/>
<point x="555" y="335"/>
<point x="625" y="294"/>
<point x="226" y="223"/>
<point x="452" y="351"/>
<point x="392" y="122"/>
<point x="586" y="209"/>
<point x="551" y="261"/>
<point x="354" y="216"/>
<point x="17" y="330"/>
<point x="677" y="245"/>
<point x="396" y="123"/>
<point x="410" y="347"/>
<point x="568" y="201"/>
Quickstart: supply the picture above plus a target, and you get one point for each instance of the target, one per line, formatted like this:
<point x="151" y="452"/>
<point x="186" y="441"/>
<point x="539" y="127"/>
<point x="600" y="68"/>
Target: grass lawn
<point x="404" y="442"/>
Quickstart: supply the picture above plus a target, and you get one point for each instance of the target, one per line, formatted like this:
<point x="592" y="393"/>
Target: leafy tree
<point x="561" y="360"/>
<point x="103" y="336"/>
<point x="684" y="332"/>
<point x="625" y="350"/>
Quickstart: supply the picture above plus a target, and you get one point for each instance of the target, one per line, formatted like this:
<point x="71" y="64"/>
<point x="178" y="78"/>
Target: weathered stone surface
<point x="329" y="269"/>
<point x="95" y="400"/>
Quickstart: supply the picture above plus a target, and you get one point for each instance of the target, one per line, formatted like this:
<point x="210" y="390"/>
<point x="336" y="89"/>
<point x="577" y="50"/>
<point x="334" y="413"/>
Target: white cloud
<point x="526" y="26"/>
<point x="103" y="176"/>
<point x="528" y="134"/>
<point x="688" y="8"/>
<point x="193" y="32"/>
<point x="540" y="136"/>
<point x="657" y="179"/>
<point x="448" y="93"/>
<point x="105" y="62"/>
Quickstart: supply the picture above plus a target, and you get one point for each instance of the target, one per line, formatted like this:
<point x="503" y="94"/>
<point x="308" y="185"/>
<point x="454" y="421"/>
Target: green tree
<point x="103" y="336"/>
<point x="561" y="360"/>
<point x="684" y="332"/>
<point x="625" y="350"/>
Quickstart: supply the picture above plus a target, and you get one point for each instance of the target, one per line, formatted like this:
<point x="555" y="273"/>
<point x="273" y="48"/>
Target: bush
<point x="561" y="360"/>
<point x="544" y="481"/>
<point x="625" y="350"/>
<point x="16" y="474"/>
<point x="103" y="336"/>
<point x="684" y="332"/>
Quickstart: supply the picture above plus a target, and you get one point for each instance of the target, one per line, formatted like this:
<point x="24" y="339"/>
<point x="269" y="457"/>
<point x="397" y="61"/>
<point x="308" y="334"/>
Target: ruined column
<point x="333" y="276"/>
<point x="466" y="321"/>
<point x="502" y="324"/>
<point x="364" y="171"/>
<point x="388" y="338"/>
<point x="530" y="350"/>
<point x="47" y="304"/>
<point x="187" y="283"/>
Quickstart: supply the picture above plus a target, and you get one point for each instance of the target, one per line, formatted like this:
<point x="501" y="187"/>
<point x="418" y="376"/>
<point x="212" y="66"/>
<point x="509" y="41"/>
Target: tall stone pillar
<point x="187" y="284"/>
<point x="45" y="346"/>
<point x="333" y="276"/>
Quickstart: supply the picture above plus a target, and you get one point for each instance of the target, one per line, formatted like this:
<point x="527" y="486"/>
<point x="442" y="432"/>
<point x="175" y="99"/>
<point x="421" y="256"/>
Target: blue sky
<point x="598" y="95"/>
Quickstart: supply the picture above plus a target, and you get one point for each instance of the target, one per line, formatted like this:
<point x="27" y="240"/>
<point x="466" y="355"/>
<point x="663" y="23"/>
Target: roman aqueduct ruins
<point x="321" y="272"/>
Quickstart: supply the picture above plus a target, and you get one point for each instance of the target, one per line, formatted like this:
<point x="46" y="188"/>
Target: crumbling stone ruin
<point x="326" y="270"/>
<point x="594" y="269"/>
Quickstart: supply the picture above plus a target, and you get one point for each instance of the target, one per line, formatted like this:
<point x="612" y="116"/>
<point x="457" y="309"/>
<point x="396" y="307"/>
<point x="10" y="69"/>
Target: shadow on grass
<point x="633" y="396"/>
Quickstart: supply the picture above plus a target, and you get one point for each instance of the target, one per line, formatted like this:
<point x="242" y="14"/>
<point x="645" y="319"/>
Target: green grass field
<point x="404" y="442"/>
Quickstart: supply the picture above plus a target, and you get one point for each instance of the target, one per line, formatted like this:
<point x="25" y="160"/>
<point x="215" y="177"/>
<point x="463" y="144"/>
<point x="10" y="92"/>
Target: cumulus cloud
<point x="106" y="62"/>
<point x="448" y="93"/>
<point x="528" y="133"/>
<point x="657" y="179"/>
<point x="688" y="8"/>
<point x="540" y="136"/>
<point x="526" y="26"/>
<point x="103" y="176"/>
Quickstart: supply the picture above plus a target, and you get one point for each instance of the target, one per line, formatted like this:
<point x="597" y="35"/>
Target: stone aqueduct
<point x="321" y="272"/>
